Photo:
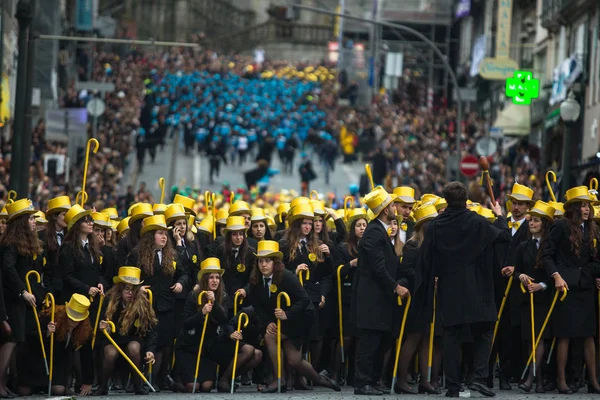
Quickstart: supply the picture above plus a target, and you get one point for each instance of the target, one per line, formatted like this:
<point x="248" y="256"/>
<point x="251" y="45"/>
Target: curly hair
<point x="574" y="217"/>
<point x="256" y="275"/>
<point x="82" y="332"/>
<point x="139" y="310"/>
<point x="19" y="235"/>
<point x="292" y="235"/>
<point x="146" y="255"/>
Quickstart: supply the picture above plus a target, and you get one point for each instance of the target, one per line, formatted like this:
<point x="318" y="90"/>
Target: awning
<point x="514" y="120"/>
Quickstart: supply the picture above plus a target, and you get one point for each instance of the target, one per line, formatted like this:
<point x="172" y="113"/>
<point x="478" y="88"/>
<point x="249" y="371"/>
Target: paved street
<point x="193" y="171"/>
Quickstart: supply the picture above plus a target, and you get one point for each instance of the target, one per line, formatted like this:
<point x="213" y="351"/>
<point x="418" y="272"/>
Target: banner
<point x="463" y="8"/>
<point x="84" y="15"/>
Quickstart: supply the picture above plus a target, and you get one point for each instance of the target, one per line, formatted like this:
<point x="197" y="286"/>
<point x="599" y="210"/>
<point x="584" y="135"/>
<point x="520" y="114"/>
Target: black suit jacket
<point x="525" y="264"/>
<point x="79" y="273"/>
<point x="373" y="298"/>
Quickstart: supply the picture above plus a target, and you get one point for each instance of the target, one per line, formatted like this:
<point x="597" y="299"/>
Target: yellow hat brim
<point x="74" y="315"/>
<point x="269" y="254"/>
<point x="155" y="227"/>
<point x="77" y="218"/>
<point x="202" y="272"/>
<point x="129" y="280"/>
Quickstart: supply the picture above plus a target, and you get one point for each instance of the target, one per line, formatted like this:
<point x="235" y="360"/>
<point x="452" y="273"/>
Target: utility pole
<point x="28" y="114"/>
<point x="19" y="176"/>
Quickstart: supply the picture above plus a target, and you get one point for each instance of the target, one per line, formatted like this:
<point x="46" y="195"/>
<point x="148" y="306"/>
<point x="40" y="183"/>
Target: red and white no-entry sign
<point x="469" y="166"/>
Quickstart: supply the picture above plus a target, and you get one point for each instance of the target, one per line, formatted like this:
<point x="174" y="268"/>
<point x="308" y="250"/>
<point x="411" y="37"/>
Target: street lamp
<point x="569" y="112"/>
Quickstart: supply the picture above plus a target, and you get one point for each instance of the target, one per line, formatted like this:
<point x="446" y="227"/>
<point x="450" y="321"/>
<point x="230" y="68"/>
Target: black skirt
<point x="185" y="366"/>
<point x="167" y="329"/>
<point x="575" y="317"/>
<point x="298" y="329"/>
<point x="540" y="311"/>
<point x="16" y="319"/>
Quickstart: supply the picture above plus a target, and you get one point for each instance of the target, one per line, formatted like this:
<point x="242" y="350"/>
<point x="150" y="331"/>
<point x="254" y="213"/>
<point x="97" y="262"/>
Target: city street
<point x="193" y="171"/>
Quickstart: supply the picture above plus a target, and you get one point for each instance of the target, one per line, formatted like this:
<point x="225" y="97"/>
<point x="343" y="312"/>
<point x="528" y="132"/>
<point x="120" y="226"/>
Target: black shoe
<point x="246" y="381"/>
<point x="367" y="390"/>
<point x="330" y="383"/>
<point x="274" y="389"/>
<point x="490" y="382"/>
<point x="101" y="391"/>
<point x="478" y="387"/>
<point x="504" y="385"/>
<point x="550" y="387"/>
<point x="452" y="393"/>
<point x="383" y="389"/>
<point x="141" y="390"/>
<point x="428" y="389"/>
<point x="404" y="390"/>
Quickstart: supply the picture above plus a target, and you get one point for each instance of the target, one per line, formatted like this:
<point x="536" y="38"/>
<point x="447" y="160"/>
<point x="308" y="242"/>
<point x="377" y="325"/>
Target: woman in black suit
<point x="530" y="272"/>
<point x="163" y="273"/>
<point x="53" y="239"/>
<point x="21" y="252"/>
<point x="346" y="255"/>
<point x="569" y="256"/>
<point x="268" y="279"/>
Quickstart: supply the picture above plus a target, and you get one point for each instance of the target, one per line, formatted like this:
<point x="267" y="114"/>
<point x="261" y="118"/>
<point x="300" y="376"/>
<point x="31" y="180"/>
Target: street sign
<point x="486" y="146"/>
<point x="96" y="107"/>
<point x="469" y="166"/>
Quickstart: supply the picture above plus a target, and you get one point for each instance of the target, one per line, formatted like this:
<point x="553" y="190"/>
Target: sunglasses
<point x="87" y="220"/>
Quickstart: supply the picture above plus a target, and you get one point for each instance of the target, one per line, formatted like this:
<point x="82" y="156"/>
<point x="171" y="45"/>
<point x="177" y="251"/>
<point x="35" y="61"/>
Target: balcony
<point x="560" y="12"/>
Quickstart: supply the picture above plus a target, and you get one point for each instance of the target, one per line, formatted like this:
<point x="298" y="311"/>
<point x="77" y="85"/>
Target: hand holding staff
<point x="241" y="317"/>
<point x="36" y="316"/>
<point x="485" y="175"/>
<point x="287" y="303"/>
<point x="206" y="317"/>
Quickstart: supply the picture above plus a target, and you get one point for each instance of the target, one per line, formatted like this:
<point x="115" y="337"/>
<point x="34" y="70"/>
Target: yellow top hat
<point x="187" y="202"/>
<point x="429" y="198"/>
<point x="405" y="194"/>
<point x="58" y="204"/>
<point x="487" y="214"/>
<point x="20" y="207"/>
<point x="40" y="218"/>
<point x="425" y="213"/>
<point x="111" y="212"/>
<point x="268" y="249"/>
<point x="299" y="200"/>
<point x="355" y="214"/>
<point x="123" y="226"/>
<point x="141" y="211"/>
<point x="235" y="223"/>
<point x="101" y="219"/>
<point x="301" y="211"/>
<point x="78" y="307"/>
<point x="74" y="214"/>
<point x="378" y="199"/>
<point x="576" y="194"/>
<point x="173" y="212"/>
<point x="271" y="222"/>
<point x="114" y="225"/>
<point x="209" y="266"/>
<point x="318" y="208"/>
<point x="521" y="193"/>
<point x="131" y="207"/>
<point x="597" y="213"/>
<point x="3" y="213"/>
<point x="440" y="204"/>
<point x="542" y="209"/>
<point x="154" y="223"/>
<point x="283" y="208"/>
<point x="239" y="207"/>
<point x="559" y="208"/>
<point x="207" y="224"/>
<point x="159" y="208"/>
<point x="258" y="214"/>
<point x="129" y="275"/>
<point x="222" y="215"/>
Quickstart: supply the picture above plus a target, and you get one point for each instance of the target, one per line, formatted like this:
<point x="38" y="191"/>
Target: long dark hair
<point x="574" y="218"/>
<point x="278" y="267"/>
<point x="20" y="236"/>
<point x="227" y="249"/>
<point x="292" y="236"/>
<point x="352" y="244"/>
<point x="203" y="285"/>
<point x="546" y="225"/>
<point x="51" y="242"/>
<point x="135" y="234"/>
<point x="324" y="234"/>
<point x="73" y="238"/>
<point x="268" y="235"/>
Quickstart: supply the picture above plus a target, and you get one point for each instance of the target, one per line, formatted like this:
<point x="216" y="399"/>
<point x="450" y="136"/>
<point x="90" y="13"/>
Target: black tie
<point x="304" y="248"/>
<point x="60" y="235"/>
<point x="86" y="247"/>
<point x="235" y="253"/>
<point x="268" y="286"/>
<point x="536" y="242"/>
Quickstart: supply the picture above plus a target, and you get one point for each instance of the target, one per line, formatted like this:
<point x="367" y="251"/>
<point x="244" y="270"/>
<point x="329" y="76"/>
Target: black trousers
<point x="453" y="338"/>
<point x="370" y="349"/>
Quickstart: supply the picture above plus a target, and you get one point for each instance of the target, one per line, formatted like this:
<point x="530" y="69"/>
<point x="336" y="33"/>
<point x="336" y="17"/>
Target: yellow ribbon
<point x="515" y="225"/>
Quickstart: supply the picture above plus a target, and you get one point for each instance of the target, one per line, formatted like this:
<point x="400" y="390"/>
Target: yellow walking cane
<point x="339" y="279"/>
<point x="98" y="315"/>
<point x="533" y="343"/>
<point x="400" y="336"/>
<point x="506" y="292"/>
<point x="431" y="335"/>
<point x="543" y="328"/>
<point x="306" y="274"/>
<point x="214" y="214"/>
<point x="36" y="316"/>
<point x="370" y="175"/>
<point x="316" y="195"/>
<point x="161" y="185"/>
<point x="242" y="317"/>
<point x="111" y="326"/>
<point x="206" y="317"/>
<point x="11" y="197"/>
<point x="50" y="303"/>
<point x="236" y="302"/>
<point x="346" y="208"/>
<point x="151" y="301"/>
<point x="553" y="175"/>
<point x="82" y="193"/>
<point x="594" y="184"/>
<point x="288" y="303"/>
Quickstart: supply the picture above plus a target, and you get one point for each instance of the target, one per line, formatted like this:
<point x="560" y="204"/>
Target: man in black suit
<point x="405" y="201"/>
<point x="375" y="293"/>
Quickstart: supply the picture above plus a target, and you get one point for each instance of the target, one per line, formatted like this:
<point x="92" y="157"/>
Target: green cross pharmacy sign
<point x="521" y="88"/>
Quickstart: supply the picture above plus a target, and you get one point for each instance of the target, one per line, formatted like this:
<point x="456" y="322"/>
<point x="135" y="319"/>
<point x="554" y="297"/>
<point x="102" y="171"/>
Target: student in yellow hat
<point x="258" y="225"/>
<point x="137" y="214"/>
<point x="346" y="254"/>
<point x="22" y="252"/>
<point x="102" y="230"/>
<point x="568" y="256"/>
<point x="269" y="278"/>
<point x="53" y="238"/>
<point x="404" y="202"/>
<point x="136" y="327"/>
<point x="163" y="271"/>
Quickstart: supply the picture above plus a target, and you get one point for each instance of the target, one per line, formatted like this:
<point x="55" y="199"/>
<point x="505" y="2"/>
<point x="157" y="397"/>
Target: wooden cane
<point x="431" y="335"/>
<point x="370" y="175"/>
<point x="111" y="326"/>
<point x="400" y="336"/>
<point x="243" y="316"/>
<point x="506" y="292"/>
<point x="36" y="316"/>
<point x="50" y="301"/>
<point x="339" y="283"/>
<point x="98" y="315"/>
<point x="236" y="301"/>
<point x="532" y="316"/>
<point x="484" y="165"/>
<point x="553" y="175"/>
<point x="206" y="317"/>
<point x="306" y="274"/>
<point x="288" y="303"/>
